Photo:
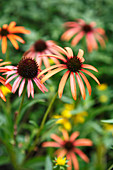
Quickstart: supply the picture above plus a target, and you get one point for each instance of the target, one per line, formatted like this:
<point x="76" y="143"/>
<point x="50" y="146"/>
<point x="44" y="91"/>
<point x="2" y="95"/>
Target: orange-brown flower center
<point x="68" y="146"/>
<point x="73" y="64"/>
<point x="40" y="45"/>
<point x="87" y="28"/>
<point x="27" y="68"/>
<point x="4" y="32"/>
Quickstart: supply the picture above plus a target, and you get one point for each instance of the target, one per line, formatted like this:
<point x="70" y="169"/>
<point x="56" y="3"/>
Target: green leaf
<point x="107" y="121"/>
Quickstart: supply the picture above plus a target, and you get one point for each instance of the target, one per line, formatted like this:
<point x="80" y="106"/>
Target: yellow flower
<point x="61" y="161"/>
<point x="66" y="114"/>
<point x="69" y="106"/>
<point x="102" y="87"/>
<point x="108" y="127"/>
<point x="80" y="117"/>
<point x="5" y="90"/>
<point x="103" y="98"/>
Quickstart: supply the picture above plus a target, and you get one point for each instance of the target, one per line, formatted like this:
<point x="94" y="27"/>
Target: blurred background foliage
<point x="45" y="20"/>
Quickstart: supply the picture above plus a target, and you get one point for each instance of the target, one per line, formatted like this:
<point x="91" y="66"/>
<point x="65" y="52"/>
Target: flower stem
<point x="7" y="54"/>
<point x="42" y="124"/>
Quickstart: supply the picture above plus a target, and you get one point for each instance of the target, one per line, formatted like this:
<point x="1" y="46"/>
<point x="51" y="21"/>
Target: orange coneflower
<point x="41" y="47"/>
<point x="26" y="70"/>
<point x="68" y="147"/>
<point x="81" y="29"/>
<point x="2" y="80"/>
<point x="75" y="68"/>
<point x="8" y="31"/>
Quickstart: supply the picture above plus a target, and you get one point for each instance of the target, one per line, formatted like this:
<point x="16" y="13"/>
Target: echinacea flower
<point x="68" y="146"/>
<point x="41" y="47"/>
<point x="79" y="29"/>
<point x="26" y="70"/>
<point x="2" y="80"/>
<point x="9" y="31"/>
<point x="74" y="68"/>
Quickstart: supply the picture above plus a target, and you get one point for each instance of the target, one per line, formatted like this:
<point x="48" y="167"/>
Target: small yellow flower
<point x="102" y="87"/>
<point x="5" y="90"/>
<point x="108" y="127"/>
<point x="69" y="106"/>
<point x="80" y="117"/>
<point x="103" y="98"/>
<point x="60" y="161"/>
<point x="66" y="113"/>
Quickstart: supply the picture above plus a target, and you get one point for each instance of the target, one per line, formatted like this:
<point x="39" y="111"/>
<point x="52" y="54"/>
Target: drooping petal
<point x="77" y="38"/>
<point x="51" y="144"/>
<point x="28" y="88"/>
<point x="62" y="83"/>
<point x="81" y="154"/>
<point x="83" y="142"/>
<point x="81" y="86"/>
<point x="89" y="67"/>
<point x="75" y="161"/>
<point x="91" y="75"/>
<point x="65" y="135"/>
<point x="57" y="138"/>
<point x="11" y="78"/>
<point x="21" y="87"/>
<point x="48" y="69"/>
<point x="31" y="89"/>
<point x="51" y="73"/>
<point x="46" y="62"/>
<point x="89" y="45"/>
<point x="16" y="84"/>
<point x="67" y="35"/>
<point x="92" y="40"/>
<point x="62" y="153"/>
<point x="18" y="38"/>
<point x="13" y="41"/>
<point x="87" y="82"/>
<point x="4" y="44"/>
<point x="100" y="40"/>
<point x="73" y="85"/>
<point x="74" y="136"/>
<point x="69" y="162"/>
<point x="2" y="96"/>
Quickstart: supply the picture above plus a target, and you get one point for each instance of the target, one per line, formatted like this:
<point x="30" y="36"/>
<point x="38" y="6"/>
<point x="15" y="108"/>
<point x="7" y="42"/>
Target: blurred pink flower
<point x="80" y="29"/>
<point x="68" y="147"/>
<point x="42" y="47"/>
<point x="26" y="70"/>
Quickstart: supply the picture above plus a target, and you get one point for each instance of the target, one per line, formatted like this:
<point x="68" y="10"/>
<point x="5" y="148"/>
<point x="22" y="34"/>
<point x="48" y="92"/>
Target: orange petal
<point x="69" y="162"/>
<point x="51" y="73"/>
<point x="91" y="75"/>
<point x="4" y="44"/>
<point x="75" y="161"/>
<point x="80" y="55"/>
<point x="73" y="85"/>
<point x="18" y="38"/>
<point x="81" y="86"/>
<point x="62" y="83"/>
<point x="87" y="82"/>
<point x="74" y="136"/>
<point x="65" y="135"/>
<point x="89" y="67"/>
<point x="2" y="95"/>
<point x="81" y="154"/>
<point x="11" y="25"/>
<point x="83" y="142"/>
<point x="77" y="38"/>
<point x="57" y="138"/>
<point x="13" y="41"/>
<point x="51" y="144"/>
<point x="69" y="52"/>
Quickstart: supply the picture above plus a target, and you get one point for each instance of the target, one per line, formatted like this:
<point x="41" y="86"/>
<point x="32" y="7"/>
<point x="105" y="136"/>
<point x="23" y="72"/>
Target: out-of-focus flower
<point x="5" y="90"/>
<point x="103" y="98"/>
<point x="80" y="117"/>
<point x="26" y="70"/>
<point x="40" y="48"/>
<point x="9" y="31"/>
<point x="108" y="127"/>
<point x="63" y="119"/>
<point x="80" y="29"/>
<point x="2" y="80"/>
<point x="102" y="87"/>
<point x="68" y="147"/>
<point x="74" y="68"/>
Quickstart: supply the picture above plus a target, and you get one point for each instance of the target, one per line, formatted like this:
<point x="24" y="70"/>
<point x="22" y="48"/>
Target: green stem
<point x="21" y="104"/>
<point x="42" y="124"/>
<point x="7" y="54"/>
